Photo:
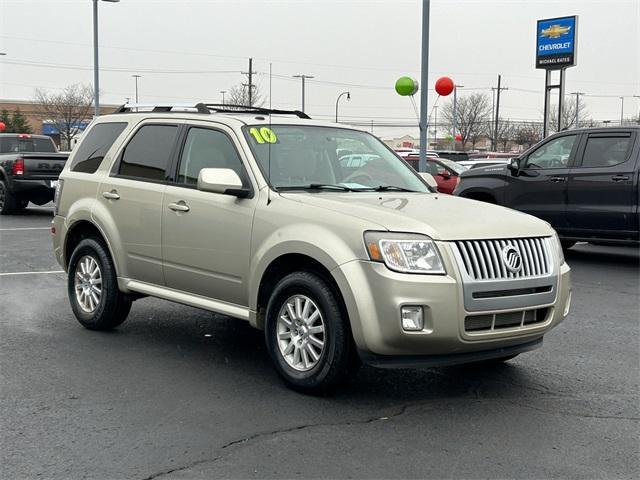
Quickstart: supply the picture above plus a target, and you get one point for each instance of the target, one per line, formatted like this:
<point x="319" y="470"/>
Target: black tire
<point x="21" y="204"/>
<point x="567" y="244"/>
<point x="112" y="306"/>
<point x="8" y="202"/>
<point x="338" y="360"/>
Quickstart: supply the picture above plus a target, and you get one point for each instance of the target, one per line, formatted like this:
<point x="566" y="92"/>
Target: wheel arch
<point x="280" y="267"/>
<point x="80" y="230"/>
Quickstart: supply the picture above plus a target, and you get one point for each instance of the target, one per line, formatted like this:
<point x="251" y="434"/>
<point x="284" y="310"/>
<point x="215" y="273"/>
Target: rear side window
<point x="147" y="154"/>
<point x="95" y="145"/>
<point x="606" y="151"/>
<point x="26" y="143"/>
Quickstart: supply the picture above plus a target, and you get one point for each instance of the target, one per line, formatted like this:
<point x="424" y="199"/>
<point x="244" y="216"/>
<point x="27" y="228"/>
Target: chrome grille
<point x="482" y="259"/>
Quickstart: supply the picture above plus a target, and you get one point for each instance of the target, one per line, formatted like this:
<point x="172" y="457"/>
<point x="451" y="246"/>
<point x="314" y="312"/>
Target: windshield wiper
<point x="317" y="186"/>
<point x="385" y="188"/>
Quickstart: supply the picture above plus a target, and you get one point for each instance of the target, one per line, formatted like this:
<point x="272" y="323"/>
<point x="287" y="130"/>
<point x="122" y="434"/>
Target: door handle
<point x="558" y="179"/>
<point x="112" y="195"/>
<point x="620" y="178"/>
<point x="179" y="207"/>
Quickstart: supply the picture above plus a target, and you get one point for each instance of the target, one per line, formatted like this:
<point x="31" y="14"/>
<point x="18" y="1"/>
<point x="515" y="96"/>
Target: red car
<point x="445" y="172"/>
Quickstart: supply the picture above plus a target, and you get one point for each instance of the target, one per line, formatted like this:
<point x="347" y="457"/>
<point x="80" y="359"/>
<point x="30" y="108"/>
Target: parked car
<point x="407" y="152"/>
<point x="583" y="182"/>
<point x="483" y="162"/>
<point x="455" y="155"/>
<point x="29" y="170"/>
<point x="248" y="213"/>
<point x="445" y="172"/>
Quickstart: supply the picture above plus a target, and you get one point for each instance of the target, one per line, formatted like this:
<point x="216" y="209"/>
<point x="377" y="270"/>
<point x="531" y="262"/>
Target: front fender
<point x="311" y="240"/>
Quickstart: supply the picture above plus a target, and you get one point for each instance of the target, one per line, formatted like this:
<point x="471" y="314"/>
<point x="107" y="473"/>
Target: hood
<point x="442" y="217"/>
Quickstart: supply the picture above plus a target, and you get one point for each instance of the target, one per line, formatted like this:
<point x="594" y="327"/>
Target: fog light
<point x="567" y="306"/>
<point x="412" y="318"/>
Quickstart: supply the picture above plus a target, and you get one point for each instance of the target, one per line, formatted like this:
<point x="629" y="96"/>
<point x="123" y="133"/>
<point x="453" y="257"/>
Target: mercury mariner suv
<point x="250" y="213"/>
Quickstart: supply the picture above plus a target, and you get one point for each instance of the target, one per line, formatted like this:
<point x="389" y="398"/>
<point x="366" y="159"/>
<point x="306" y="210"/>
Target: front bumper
<point x="374" y="295"/>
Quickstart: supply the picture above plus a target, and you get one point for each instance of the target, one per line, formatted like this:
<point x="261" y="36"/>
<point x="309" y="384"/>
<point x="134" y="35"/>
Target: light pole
<point x="339" y="96"/>
<point x="96" y="79"/>
<point x="223" y="92"/>
<point x="455" y="113"/>
<point x="638" y="97"/>
<point x="303" y="77"/>
<point x="136" y="78"/>
<point x="621" y="110"/>
<point x="577" y="94"/>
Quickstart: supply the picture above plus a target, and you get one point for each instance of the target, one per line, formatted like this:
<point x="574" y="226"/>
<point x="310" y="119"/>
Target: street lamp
<point x="340" y="96"/>
<point x="455" y="112"/>
<point x="96" y="79"/>
<point x="136" y="77"/>
<point x="621" y="111"/>
<point x="223" y="92"/>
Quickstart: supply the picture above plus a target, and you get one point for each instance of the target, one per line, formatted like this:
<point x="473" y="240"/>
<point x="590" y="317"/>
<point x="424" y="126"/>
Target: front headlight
<point x="558" y="246"/>
<point x="404" y="252"/>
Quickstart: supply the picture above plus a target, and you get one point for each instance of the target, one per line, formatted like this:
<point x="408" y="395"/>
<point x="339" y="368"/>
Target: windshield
<point x="328" y="158"/>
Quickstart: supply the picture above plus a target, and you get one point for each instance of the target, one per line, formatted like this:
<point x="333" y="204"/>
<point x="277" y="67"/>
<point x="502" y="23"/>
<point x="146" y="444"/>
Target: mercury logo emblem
<point x="512" y="259"/>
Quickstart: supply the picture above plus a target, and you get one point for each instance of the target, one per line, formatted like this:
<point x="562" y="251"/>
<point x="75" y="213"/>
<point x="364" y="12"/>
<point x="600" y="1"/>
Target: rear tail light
<point x="24" y="135"/>
<point x="18" y="167"/>
<point x="57" y="196"/>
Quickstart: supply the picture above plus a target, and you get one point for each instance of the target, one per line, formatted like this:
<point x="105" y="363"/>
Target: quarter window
<point x="554" y="154"/>
<point x="95" y="146"/>
<point x="147" y="154"/>
<point x="206" y="148"/>
<point x="606" y="151"/>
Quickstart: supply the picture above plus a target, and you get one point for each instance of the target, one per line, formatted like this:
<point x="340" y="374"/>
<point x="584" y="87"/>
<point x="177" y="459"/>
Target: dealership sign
<point x="556" y="42"/>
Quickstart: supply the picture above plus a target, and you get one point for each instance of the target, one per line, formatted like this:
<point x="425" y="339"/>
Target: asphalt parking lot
<point x="180" y="393"/>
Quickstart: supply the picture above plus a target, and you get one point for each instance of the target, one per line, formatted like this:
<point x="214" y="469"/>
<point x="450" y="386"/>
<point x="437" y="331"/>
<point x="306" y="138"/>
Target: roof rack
<point x="207" y="108"/>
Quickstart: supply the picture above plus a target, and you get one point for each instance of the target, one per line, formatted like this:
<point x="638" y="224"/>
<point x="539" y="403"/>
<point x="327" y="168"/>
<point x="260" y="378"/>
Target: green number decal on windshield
<point x="263" y="135"/>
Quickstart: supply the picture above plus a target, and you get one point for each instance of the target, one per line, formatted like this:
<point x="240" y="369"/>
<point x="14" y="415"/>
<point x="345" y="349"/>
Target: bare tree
<point x="505" y="132"/>
<point x="472" y="113"/>
<point x="568" y="115"/>
<point x="68" y="111"/>
<point x="528" y="133"/>
<point x="239" y="95"/>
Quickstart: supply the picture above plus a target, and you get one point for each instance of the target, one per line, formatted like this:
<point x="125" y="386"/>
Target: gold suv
<point x="266" y="216"/>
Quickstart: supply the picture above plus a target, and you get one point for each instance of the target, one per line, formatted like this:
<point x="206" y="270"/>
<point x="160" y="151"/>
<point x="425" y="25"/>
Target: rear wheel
<point x="8" y="202"/>
<point x="93" y="288"/>
<point x="308" y="335"/>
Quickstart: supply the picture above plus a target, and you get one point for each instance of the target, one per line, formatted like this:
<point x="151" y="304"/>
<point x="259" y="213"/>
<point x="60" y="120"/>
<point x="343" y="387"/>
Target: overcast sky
<point x="190" y="50"/>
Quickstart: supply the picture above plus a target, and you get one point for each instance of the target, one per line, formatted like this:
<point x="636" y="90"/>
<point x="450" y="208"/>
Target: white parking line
<point x="30" y="273"/>
<point x="24" y="228"/>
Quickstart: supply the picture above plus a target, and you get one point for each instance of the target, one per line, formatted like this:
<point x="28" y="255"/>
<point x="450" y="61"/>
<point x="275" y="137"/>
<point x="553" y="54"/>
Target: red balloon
<point x="444" y="86"/>
<point x="458" y="137"/>
<point x="2" y="127"/>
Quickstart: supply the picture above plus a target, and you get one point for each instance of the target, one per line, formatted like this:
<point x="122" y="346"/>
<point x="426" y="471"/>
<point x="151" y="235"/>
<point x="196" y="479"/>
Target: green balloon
<point x="406" y="86"/>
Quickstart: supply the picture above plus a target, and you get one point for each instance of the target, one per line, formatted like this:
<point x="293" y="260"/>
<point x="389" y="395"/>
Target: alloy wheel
<point x="88" y="284"/>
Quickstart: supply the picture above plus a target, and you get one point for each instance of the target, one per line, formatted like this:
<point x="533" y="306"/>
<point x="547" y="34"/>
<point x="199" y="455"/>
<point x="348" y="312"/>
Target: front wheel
<point x="308" y="335"/>
<point x="93" y="288"/>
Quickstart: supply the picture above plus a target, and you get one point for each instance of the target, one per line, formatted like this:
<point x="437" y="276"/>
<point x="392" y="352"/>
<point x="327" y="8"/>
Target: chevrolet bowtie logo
<point x="555" y="31"/>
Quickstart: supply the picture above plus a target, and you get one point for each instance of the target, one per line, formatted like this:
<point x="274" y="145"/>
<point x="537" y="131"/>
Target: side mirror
<point x="427" y="177"/>
<point x="221" y="180"/>
<point x="514" y="164"/>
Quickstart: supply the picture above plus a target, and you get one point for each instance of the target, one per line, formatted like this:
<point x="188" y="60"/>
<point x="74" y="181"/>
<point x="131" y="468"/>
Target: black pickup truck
<point x="29" y="169"/>
<point x="583" y="182"/>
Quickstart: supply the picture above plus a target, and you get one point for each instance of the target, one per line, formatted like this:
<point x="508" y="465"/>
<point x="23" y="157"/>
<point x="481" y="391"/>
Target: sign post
<point x="556" y="40"/>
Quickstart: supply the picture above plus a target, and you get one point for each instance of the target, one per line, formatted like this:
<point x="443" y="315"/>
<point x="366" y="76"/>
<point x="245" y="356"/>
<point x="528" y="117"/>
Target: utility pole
<point x="136" y="78"/>
<point x="621" y="111"/>
<point x="577" y="94"/>
<point x="424" y="81"/>
<point x="497" y="113"/>
<point x="249" y="85"/>
<point x="303" y="77"/>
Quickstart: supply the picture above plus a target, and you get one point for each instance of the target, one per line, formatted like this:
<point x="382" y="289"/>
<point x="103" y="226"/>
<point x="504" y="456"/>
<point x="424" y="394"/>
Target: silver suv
<point x="250" y="213"/>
